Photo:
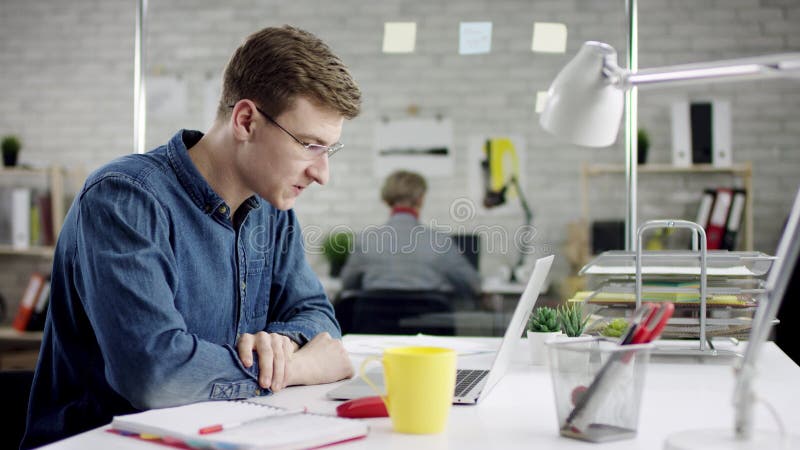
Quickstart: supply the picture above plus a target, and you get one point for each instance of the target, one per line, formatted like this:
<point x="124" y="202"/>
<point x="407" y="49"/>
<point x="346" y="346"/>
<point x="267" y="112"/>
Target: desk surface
<point x="681" y="393"/>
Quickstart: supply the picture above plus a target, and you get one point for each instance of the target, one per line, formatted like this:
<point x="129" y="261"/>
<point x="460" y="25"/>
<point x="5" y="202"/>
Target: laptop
<point x="472" y="385"/>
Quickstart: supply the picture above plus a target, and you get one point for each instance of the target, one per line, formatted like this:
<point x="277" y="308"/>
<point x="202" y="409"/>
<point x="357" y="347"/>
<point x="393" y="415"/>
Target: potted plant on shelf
<point x="10" y="147"/>
<point x="336" y="248"/>
<point x="542" y="327"/>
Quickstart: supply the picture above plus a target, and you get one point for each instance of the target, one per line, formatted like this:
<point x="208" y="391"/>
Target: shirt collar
<point x="190" y="178"/>
<point x="405" y="210"/>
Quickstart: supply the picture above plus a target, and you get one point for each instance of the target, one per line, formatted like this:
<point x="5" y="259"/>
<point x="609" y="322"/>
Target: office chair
<point x="16" y="387"/>
<point x="395" y="312"/>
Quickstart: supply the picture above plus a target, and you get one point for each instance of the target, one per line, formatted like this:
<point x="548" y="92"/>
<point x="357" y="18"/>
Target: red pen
<point x="654" y="324"/>
<point x="227" y="426"/>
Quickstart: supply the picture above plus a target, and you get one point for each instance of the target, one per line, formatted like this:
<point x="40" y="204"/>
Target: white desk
<point x="680" y="394"/>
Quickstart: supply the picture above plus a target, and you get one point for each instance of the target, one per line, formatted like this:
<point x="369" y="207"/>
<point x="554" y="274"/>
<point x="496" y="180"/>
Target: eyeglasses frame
<point x="315" y="149"/>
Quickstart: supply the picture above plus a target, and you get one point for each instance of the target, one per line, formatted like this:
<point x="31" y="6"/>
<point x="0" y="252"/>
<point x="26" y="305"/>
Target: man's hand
<point x="274" y="357"/>
<point x="321" y="360"/>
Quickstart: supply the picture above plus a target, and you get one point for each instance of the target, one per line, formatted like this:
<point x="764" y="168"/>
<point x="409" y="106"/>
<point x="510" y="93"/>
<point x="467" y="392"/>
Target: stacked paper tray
<point x="681" y="262"/>
<point x="734" y="287"/>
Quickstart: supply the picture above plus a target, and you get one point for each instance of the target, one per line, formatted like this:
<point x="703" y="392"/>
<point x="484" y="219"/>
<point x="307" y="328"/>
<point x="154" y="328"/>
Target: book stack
<point x="26" y="218"/>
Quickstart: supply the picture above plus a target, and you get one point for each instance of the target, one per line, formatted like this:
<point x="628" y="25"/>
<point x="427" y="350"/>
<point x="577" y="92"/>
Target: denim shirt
<point x="152" y="282"/>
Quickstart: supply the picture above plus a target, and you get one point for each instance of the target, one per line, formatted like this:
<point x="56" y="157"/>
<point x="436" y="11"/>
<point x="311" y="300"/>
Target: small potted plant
<point x="542" y="327"/>
<point x="571" y="319"/>
<point x="10" y="147"/>
<point x="336" y="248"/>
<point x="615" y="328"/>
<point x="642" y="145"/>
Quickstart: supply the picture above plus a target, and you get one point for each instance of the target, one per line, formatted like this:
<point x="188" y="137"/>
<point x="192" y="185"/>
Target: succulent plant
<point x="544" y="320"/>
<point x="615" y="328"/>
<point x="571" y="319"/>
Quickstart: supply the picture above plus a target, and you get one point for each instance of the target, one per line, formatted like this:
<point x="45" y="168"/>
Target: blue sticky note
<point x="475" y="38"/>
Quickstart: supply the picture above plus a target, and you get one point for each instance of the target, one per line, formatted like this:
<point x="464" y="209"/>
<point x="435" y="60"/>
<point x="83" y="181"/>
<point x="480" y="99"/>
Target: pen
<point x="646" y="325"/>
<point x="227" y="426"/>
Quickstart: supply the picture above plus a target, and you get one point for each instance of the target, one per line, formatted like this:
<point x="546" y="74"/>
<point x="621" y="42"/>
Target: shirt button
<point x="223" y="209"/>
<point x="244" y="285"/>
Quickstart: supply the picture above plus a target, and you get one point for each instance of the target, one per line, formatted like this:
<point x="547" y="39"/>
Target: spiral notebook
<point x="242" y="424"/>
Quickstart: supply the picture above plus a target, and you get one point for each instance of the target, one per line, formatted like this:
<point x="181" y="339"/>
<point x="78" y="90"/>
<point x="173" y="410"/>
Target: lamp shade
<point x="584" y="106"/>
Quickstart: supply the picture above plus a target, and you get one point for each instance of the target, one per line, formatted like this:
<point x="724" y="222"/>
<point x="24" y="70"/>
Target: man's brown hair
<point x="403" y="188"/>
<point x="275" y="65"/>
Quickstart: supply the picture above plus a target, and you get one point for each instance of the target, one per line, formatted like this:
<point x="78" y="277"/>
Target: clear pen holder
<point x="597" y="385"/>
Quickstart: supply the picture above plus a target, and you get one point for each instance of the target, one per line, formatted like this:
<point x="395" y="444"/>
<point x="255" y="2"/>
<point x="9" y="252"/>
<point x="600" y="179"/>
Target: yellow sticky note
<point x="399" y="37"/>
<point x="549" y="37"/>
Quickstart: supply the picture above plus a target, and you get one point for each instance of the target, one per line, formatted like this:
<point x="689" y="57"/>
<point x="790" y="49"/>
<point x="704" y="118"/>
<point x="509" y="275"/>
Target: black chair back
<point x="395" y="312"/>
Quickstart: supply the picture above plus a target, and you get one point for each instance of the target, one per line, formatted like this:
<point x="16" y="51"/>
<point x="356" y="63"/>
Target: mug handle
<point x="363" y="374"/>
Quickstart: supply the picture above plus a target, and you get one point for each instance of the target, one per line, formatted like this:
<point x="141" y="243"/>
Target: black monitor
<point x="469" y="245"/>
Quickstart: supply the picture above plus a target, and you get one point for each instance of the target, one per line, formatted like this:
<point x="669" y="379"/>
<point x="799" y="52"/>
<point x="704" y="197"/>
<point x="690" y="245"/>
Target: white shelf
<point x="742" y="170"/>
<point x="7" y="250"/>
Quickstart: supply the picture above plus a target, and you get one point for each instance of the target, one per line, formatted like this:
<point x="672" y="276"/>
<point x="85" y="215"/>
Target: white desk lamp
<point x="584" y="106"/>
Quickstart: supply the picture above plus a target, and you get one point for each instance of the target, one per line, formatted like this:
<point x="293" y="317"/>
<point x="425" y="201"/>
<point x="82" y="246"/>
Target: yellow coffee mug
<point x="420" y="382"/>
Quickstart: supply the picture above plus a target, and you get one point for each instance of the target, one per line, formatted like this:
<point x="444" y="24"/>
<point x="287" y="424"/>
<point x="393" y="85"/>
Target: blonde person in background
<point x="403" y="254"/>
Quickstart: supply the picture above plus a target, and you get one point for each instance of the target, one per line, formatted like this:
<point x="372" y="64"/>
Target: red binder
<point x="719" y="219"/>
<point x="28" y="302"/>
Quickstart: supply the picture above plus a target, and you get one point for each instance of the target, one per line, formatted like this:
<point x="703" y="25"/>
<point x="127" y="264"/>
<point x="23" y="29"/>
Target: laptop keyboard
<point x="466" y="379"/>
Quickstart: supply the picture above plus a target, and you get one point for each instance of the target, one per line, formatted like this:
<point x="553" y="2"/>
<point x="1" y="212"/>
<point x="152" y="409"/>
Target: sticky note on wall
<point x="475" y="38"/>
<point x="549" y="37"/>
<point x="399" y="37"/>
<point x="541" y="99"/>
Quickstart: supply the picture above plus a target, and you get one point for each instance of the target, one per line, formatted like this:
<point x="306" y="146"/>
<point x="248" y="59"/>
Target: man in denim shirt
<point x="180" y="275"/>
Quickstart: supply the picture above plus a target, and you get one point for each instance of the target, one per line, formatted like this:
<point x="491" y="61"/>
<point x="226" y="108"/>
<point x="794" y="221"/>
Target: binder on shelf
<point x="721" y="134"/>
<point x="20" y="218"/>
<point x="701" y="119"/>
<point x="701" y="133"/>
<point x="704" y="210"/>
<point x="46" y="219"/>
<point x="681" y="135"/>
<point x="39" y="314"/>
<point x="719" y="218"/>
<point x="734" y="220"/>
<point x="28" y="302"/>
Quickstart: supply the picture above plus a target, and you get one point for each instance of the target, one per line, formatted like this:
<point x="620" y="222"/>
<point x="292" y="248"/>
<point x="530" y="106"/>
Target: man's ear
<point x="243" y="119"/>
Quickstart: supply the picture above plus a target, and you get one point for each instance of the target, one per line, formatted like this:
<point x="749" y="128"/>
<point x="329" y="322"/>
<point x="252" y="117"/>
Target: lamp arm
<point x="778" y="279"/>
<point x="524" y="203"/>
<point x="528" y="220"/>
<point x="770" y="66"/>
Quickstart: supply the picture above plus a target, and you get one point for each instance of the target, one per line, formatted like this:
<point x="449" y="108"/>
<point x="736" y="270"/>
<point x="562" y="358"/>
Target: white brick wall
<point x="66" y="88"/>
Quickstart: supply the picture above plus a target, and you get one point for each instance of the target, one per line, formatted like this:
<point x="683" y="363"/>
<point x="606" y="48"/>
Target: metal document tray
<point x="681" y="262"/>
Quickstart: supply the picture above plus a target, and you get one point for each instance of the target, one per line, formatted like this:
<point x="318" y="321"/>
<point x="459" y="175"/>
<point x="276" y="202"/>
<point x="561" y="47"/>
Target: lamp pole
<point x="139" y="92"/>
<point x="631" y="127"/>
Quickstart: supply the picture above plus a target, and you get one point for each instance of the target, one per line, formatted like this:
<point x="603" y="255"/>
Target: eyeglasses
<point x="314" y="150"/>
